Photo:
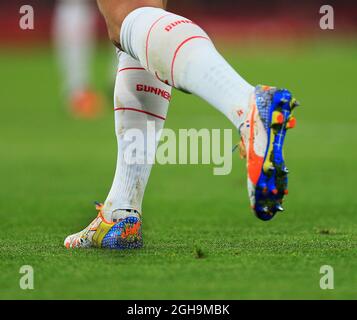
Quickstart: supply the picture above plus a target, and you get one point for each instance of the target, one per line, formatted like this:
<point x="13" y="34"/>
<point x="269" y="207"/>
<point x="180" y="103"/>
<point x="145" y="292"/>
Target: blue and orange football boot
<point x="262" y="140"/>
<point x="124" y="233"/>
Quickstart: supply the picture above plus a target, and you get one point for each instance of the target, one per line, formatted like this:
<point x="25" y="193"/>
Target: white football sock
<point x="180" y="53"/>
<point x="139" y="98"/>
<point x="74" y="39"/>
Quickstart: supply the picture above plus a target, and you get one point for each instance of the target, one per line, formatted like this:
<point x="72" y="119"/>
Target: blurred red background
<point x="227" y="19"/>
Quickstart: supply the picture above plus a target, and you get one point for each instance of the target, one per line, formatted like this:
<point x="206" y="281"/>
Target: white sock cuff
<point x="129" y="23"/>
<point x="139" y="91"/>
<point x="148" y="31"/>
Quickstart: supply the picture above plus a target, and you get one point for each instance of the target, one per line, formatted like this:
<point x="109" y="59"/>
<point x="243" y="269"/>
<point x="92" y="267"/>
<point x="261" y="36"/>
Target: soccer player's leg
<point x="141" y="104"/>
<point x="178" y="52"/>
<point x="74" y="37"/>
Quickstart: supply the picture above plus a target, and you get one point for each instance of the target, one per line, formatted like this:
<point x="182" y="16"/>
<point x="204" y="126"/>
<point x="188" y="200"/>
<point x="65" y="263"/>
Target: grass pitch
<point x="201" y="240"/>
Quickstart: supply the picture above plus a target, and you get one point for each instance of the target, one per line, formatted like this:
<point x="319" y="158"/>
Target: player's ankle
<point x="120" y="214"/>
